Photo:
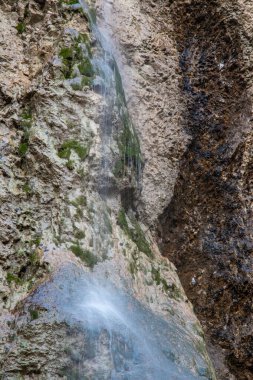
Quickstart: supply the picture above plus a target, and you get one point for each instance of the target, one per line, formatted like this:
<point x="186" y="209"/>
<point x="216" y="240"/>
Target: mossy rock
<point x="85" y="68"/>
<point x="26" y="188"/>
<point x="69" y="2"/>
<point x="173" y="291"/>
<point x="21" y="27"/>
<point x="128" y="142"/>
<point x="67" y="53"/>
<point x="135" y="233"/>
<point x="86" y="256"/>
<point x="79" y="234"/>
<point x="23" y="148"/>
<point x="26" y="121"/>
<point x="66" y="148"/>
<point x="79" y="201"/>
<point x="34" y="314"/>
<point x="70" y="164"/>
<point x="75" y="60"/>
<point x="13" y="278"/>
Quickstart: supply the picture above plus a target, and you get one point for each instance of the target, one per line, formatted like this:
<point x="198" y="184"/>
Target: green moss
<point x="34" y="258"/>
<point x="25" y="124"/>
<point x="79" y="201"/>
<point x="86" y="82"/>
<point x="175" y="292"/>
<point x="132" y="268"/>
<point x="69" y="2"/>
<point x="26" y="188"/>
<point x="21" y="27"/>
<point x="84" y="255"/>
<point x="66" y="148"/>
<point x="85" y="68"/>
<point x="79" y="214"/>
<point x="119" y="85"/>
<point x="81" y="173"/>
<point x="172" y="290"/>
<point x="70" y="164"/>
<point x="135" y="233"/>
<point x="26" y="115"/>
<point x="37" y="241"/>
<point x="128" y="142"/>
<point x="76" y="86"/>
<point x="23" y="148"/>
<point x="198" y="330"/>
<point x="26" y="119"/>
<point x="156" y="275"/>
<point x="122" y="221"/>
<point x="81" y="151"/>
<point x="83" y="38"/>
<point x="133" y="265"/>
<point x="66" y="53"/>
<point x="69" y="57"/>
<point x="13" y="278"/>
<point x="118" y="170"/>
<point x="140" y="240"/>
<point x="34" y="314"/>
<point x="76" y="62"/>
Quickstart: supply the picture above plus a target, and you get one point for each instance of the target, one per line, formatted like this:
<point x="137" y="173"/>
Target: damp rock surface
<point x="191" y="95"/>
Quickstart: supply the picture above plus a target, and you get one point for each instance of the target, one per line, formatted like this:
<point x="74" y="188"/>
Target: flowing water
<point x="123" y="339"/>
<point x="116" y="123"/>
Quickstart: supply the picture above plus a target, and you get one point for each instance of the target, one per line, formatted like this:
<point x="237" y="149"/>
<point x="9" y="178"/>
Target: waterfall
<point x="123" y="339"/>
<point x="108" y="83"/>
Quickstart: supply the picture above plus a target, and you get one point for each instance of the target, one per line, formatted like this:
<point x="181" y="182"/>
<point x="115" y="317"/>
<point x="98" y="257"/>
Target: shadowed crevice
<point x="206" y="227"/>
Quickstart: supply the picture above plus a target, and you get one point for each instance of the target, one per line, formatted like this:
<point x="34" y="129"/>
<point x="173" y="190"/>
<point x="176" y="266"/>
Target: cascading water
<point x="123" y="339"/>
<point x="109" y="84"/>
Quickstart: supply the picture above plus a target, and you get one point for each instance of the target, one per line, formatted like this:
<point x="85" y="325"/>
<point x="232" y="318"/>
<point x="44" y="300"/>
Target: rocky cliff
<point x="125" y="149"/>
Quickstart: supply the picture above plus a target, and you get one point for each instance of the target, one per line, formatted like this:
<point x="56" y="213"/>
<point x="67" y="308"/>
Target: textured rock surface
<point x="191" y="63"/>
<point x="53" y="216"/>
<point x="207" y="226"/>
<point x="149" y="64"/>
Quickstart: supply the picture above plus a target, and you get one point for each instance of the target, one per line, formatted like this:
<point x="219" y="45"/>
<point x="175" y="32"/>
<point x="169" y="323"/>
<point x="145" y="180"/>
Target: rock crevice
<point x="207" y="228"/>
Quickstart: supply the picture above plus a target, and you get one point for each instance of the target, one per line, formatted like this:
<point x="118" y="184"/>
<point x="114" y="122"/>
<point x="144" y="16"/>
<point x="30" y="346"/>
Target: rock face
<point x="191" y="97"/>
<point x="143" y="32"/>
<point x="207" y="226"/>
<point x="85" y="292"/>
